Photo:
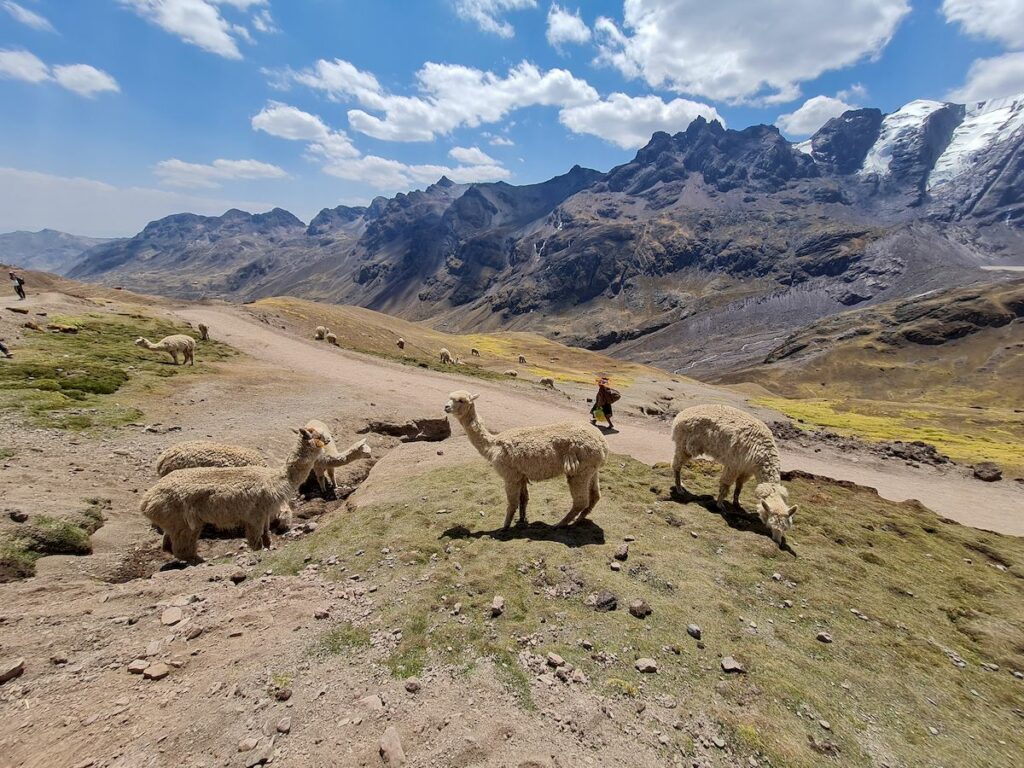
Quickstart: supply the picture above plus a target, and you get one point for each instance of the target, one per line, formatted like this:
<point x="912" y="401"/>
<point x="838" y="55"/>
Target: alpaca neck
<point x="478" y="434"/>
<point x="298" y="466"/>
<point x="770" y="471"/>
<point x="149" y="344"/>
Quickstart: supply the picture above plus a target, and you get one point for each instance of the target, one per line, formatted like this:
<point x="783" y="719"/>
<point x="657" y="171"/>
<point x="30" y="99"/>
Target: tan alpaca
<point x="204" y="332"/>
<point x="522" y="360"/>
<point x="474" y="352"/>
<point x="446" y="357"/>
<point x="745" y="448"/>
<point x="178" y="344"/>
<point x="320" y="333"/>
<point x="227" y="497"/>
<point x="331" y="458"/>
<point x="577" y="451"/>
<point x="400" y="343"/>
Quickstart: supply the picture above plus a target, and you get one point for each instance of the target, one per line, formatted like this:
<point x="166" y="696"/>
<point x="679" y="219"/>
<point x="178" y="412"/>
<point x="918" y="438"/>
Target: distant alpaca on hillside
<point x="522" y="360"/>
<point x="577" y="451"/>
<point x="446" y="357"/>
<point x="204" y="332"/>
<point x="178" y="344"/>
<point x="400" y="343"/>
<point x="474" y="352"/>
<point x="320" y="333"/>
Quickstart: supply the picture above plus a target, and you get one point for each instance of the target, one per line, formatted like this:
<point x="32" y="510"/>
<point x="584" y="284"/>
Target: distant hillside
<point x="46" y="250"/>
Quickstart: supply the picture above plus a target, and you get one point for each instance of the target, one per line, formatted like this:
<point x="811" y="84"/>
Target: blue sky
<point x="116" y="112"/>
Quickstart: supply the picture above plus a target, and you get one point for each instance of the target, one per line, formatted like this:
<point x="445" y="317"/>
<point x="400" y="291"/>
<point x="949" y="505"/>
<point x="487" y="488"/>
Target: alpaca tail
<point x="572" y="464"/>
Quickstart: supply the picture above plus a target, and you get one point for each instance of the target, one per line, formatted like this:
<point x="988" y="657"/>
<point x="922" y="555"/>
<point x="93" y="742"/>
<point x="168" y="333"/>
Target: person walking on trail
<point x="19" y="285"/>
<point x="602" y="410"/>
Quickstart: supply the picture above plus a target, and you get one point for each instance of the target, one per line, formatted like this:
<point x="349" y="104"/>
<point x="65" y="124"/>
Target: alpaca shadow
<point x="608" y="430"/>
<point x="736" y="519"/>
<point x="580" y="535"/>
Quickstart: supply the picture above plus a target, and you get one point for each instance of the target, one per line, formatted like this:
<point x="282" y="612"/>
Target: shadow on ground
<point x="579" y="535"/>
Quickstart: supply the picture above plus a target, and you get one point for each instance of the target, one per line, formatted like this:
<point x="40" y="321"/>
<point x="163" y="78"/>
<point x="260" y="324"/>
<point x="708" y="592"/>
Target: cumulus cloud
<point x="83" y="79"/>
<point x="566" y="26"/>
<point x="629" y="121"/>
<point x="450" y="96"/>
<point x="178" y="173"/>
<point x="502" y="141"/>
<point x="811" y="115"/>
<point x="721" y="50"/>
<point x="34" y="200"/>
<point x="471" y="156"/>
<point x="1001" y="20"/>
<point x="487" y="14"/>
<point x="392" y="175"/>
<point x="27" y="17"/>
<point x="201" y="23"/>
<point x="288" y="122"/>
<point x="992" y="78"/>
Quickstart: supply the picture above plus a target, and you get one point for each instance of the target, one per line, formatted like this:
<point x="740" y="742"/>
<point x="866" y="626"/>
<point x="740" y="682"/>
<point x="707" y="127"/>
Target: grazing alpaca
<point x="548" y="382"/>
<point x="332" y="458"/>
<point x="577" y="451"/>
<point x="320" y="333"/>
<point x="446" y="357"/>
<point x="522" y="360"/>
<point x="474" y="352"/>
<point x="331" y="339"/>
<point x="400" y="343"/>
<point x="204" y="332"/>
<point x="511" y="372"/>
<point x="227" y="497"/>
<point x="178" y="344"/>
<point x="745" y="448"/>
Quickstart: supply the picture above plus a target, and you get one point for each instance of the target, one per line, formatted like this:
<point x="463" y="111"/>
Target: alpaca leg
<point x="512" y="495"/>
<point x="579" y="487"/>
<point x="330" y="477"/>
<point x="594" y="497"/>
<point x="680" y="460"/>
<point x="321" y="478"/>
<point x="185" y="544"/>
<point x="166" y="544"/>
<point x="524" y="499"/>
<point x="724" y="483"/>
<point x="736" y="493"/>
<point x="191" y="357"/>
<point x="256" y="533"/>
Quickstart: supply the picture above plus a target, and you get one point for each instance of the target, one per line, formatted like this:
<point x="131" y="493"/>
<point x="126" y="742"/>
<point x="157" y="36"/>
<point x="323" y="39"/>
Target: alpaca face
<point x="312" y="439"/>
<point x="460" y="403"/>
<point x="774" y="510"/>
<point x="140" y="342"/>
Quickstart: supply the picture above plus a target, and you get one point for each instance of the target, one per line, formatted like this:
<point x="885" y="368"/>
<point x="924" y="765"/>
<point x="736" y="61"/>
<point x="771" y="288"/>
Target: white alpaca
<point x="512" y="373"/>
<point x="745" y="448"/>
<point x="400" y="343"/>
<point x="446" y="357"/>
<point x="320" y="333"/>
<point x="522" y="360"/>
<point x="474" y="352"/>
<point x="331" y="458"/>
<point x="331" y="339"/>
<point x="577" y="451"/>
<point x="548" y="382"/>
<point x="227" y="497"/>
<point x="177" y="344"/>
<point x="204" y="332"/>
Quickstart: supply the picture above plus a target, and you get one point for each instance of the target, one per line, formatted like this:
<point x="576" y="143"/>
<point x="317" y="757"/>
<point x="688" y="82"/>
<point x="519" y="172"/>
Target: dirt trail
<point x="418" y="392"/>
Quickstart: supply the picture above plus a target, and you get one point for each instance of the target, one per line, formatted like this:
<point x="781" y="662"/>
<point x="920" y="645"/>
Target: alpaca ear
<point x="304" y="433"/>
<point x="792" y="511"/>
<point x="474" y="397"/>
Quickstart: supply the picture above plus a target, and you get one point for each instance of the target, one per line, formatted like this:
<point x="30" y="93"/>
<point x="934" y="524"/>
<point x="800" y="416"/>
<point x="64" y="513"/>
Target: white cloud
<point x="629" y="121"/>
<point x="566" y="27"/>
<point x="27" y="17"/>
<point x="856" y="92"/>
<point x="502" y="141"/>
<point x="452" y="96"/>
<point x="393" y="176"/>
<point x="471" y="156"/>
<point x="288" y="122"/>
<point x="200" y="22"/>
<point x="738" y="51"/>
<point x="22" y="65"/>
<point x="84" y="79"/>
<point x="811" y="115"/>
<point x="1001" y="20"/>
<point x="178" y="173"/>
<point x="486" y="13"/>
<point x="33" y="200"/>
<point x="992" y="78"/>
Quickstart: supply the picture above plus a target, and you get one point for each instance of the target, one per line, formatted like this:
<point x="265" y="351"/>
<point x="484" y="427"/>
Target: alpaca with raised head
<point x="332" y="458"/>
<point x="174" y="345"/>
<point x="524" y="454"/>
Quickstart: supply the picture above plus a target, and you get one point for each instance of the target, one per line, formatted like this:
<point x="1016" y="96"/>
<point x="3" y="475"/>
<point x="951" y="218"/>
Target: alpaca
<point x="446" y="357"/>
<point x="400" y="343"/>
<point x="522" y="360"/>
<point x="332" y="458"/>
<point x="512" y="373"/>
<point x="203" y="453"/>
<point x="227" y="497"/>
<point x="474" y="352"/>
<point x="319" y="333"/>
<point x="459" y="361"/>
<point x="204" y="332"/>
<point x="178" y="344"/>
<point x="577" y="451"/>
<point x="331" y="339"/>
<point x="745" y="448"/>
<point x="548" y="382"/>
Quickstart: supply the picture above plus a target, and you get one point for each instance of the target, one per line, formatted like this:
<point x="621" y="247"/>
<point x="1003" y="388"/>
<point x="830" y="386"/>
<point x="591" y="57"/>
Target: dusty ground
<point x="243" y="659"/>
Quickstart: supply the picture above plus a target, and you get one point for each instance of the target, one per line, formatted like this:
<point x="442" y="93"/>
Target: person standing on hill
<point x="19" y="285"/>
<point x="606" y="396"/>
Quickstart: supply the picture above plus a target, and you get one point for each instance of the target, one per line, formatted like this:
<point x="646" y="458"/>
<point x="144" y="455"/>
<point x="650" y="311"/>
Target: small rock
<point x="284" y="725"/>
<point x="622" y="553"/>
<point x="731" y="666"/>
<point x="58" y="659"/>
<point x="156" y="671"/>
<point x="719" y="742"/>
<point x="615" y="565"/>
<point x="693" y="630"/>
<point x="391" y="747"/>
<point x="605" y="601"/>
<point x="137" y="667"/>
<point x="988" y="472"/>
<point x="282" y="694"/>
<point x="171" y="616"/>
<point x="10" y="669"/>
<point x="824" y="637"/>
<point x="497" y="606"/>
<point x="247" y="744"/>
<point x="17" y="516"/>
<point x="554" y="660"/>
<point x="321" y="614"/>
<point x="776" y="577"/>
<point x="412" y="685"/>
<point x="193" y="633"/>
<point x="825" y="724"/>
<point x="640" y="609"/>
<point x="933" y="730"/>
<point x="646" y="666"/>
<point x="628" y="539"/>
<point x="237" y="577"/>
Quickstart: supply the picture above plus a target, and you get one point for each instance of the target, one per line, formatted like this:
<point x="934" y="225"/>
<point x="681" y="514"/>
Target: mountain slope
<point x="46" y="250"/>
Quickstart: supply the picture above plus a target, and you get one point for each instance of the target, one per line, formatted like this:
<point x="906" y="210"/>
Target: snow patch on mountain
<point x="898" y="129"/>
<point x="803" y="146"/>
<point x="987" y="123"/>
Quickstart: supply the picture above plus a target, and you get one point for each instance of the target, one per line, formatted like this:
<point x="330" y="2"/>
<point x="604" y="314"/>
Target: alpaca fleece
<point x="177" y="344"/>
<point x="204" y="453"/>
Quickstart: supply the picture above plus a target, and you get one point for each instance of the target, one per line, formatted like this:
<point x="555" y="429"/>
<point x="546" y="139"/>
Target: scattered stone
<point x="933" y="730"/>
<point x="412" y="685"/>
<point x="646" y="666"/>
<point x="193" y="633"/>
<point x="497" y="606"/>
<point x="321" y="614"/>
<point x="171" y="616"/>
<point x="824" y="637"/>
<point x="988" y="472"/>
<point x="17" y="516"/>
<point x="391" y="747"/>
<point x="237" y="577"/>
<point x="282" y="694"/>
<point x="554" y="660"/>
<point x="776" y="576"/>
<point x="261" y="756"/>
<point x="10" y="669"/>
<point x="156" y="671"/>
<point x="58" y="659"/>
<point x="622" y="553"/>
<point x="990" y="666"/>
<point x="615" y="565"/>
<point x="373" y="702"/>
<point x="605" y="601"/>
<point x="693" y="630"/>
<point x="628" y="539"/>
<point x="825" y="724"/>
<point x="640" y="609"/>
<point x="719" y="742"/>
<point x="137" y="667"/>
<point x="284" y="725"/>
<point x="731" y="666"/>
<point x="247" y="744"/>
